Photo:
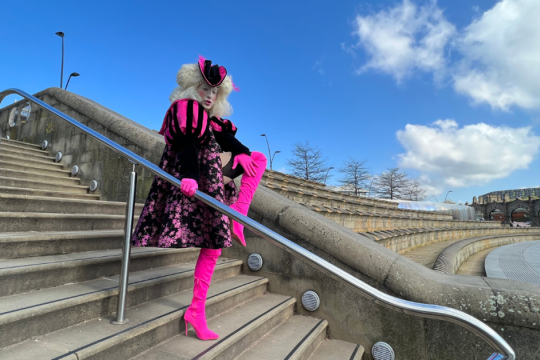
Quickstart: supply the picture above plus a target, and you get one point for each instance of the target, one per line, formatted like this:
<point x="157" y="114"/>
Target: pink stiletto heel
<point x="196" y="314"/>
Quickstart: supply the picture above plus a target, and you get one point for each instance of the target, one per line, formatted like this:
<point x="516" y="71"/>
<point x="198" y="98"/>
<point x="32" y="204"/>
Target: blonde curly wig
<point x="189" y="78"/>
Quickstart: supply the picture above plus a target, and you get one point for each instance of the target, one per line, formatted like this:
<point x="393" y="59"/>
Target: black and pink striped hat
<point x="212" y="74"/>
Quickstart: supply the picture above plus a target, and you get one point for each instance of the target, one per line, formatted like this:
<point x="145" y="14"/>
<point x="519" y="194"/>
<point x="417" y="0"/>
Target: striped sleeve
<point x="185" y="118"/>
<point x="223" y="125"/>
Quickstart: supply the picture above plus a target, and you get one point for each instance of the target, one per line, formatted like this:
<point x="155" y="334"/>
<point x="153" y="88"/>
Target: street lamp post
<point x="70" y="75"/>
<point x="330" y="168"/>
<point x="435" y="198"/>
<point x="61" y="34"/>
<point x="272" y="159"/>
<point x="447" y="195"/>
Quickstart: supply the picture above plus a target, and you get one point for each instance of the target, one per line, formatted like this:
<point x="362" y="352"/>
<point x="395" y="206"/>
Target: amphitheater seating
<point x="361" y="214"/>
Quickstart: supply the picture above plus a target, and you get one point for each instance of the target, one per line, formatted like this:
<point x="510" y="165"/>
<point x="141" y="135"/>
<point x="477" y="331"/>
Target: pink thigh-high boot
<point x="195" y="314"/>
<point x="248" y="186"/>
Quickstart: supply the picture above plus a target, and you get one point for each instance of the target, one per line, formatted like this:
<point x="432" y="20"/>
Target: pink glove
<point x="188" y="187"/>
<point x="247" y="163"/>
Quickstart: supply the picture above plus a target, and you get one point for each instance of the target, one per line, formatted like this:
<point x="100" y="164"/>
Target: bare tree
<point x="393" y="184"/>
<point x="416" y="192"/>
<point x="355" y="175"/>
<point x="307" y="162"/>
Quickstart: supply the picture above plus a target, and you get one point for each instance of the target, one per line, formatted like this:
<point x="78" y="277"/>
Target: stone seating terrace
<point x="313" y="193"/>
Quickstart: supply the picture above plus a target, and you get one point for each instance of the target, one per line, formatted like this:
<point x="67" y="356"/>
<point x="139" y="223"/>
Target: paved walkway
<point x="520" y="262"/>
<point x="475" y="264"/>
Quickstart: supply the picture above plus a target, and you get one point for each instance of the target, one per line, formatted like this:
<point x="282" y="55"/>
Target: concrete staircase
<point x="59" y="266"/>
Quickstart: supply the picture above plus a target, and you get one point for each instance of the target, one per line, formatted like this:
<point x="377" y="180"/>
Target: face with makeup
<point x="208" y="95"/>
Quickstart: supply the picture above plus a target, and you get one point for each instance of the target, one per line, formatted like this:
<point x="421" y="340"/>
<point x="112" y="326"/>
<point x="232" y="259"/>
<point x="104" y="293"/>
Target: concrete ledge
<point x="451" y="258"/>
<point x="403" y="243"/>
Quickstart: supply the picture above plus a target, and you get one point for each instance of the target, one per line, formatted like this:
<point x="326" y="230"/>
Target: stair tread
<point x="290" y="334"/>
<point x="338" y="350"/>
<point x="20" y="143"/>
<point x="7" y="214"/>
<point x="58" y="169"/>
<point x="26" y="160"/>
<point x="78" y="201"/>
<point x="62" y="186"/>
<point x="10" y="266"/>
<point x="54" y="235"/>
<point x="84" y="338"/>
<point x="16" y="147"/>
<point x="229" y="326"/>
<point x="25" y="154"/>
<point x="18" y="306"/>
<point x="48" y="193"/>
<point x="19" y="173"/>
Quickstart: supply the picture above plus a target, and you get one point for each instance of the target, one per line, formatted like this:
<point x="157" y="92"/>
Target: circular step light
<point x="58" y="156"/>
<point x="382" y="351"/>
<point x="93" y="185"/>
<point x="255" y="262"/>
<point x="310" y="300"/>
<point x="25" y="112"/>
<point x="12" y="118"/>
<point x="74" y="170"/>
<point x="44" y="144"/>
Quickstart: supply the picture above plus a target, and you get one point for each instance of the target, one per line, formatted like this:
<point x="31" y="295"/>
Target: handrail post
<point x="126" y="251"/>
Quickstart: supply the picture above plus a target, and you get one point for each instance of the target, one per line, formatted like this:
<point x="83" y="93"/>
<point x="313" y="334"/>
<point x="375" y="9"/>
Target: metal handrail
<point x="504" y="350"/>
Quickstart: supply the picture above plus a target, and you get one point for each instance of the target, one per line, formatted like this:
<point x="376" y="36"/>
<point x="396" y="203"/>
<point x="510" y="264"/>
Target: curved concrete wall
<point x="451" y="258"/>
<point x="407" y="242"/>
<point x="511" y="308"/>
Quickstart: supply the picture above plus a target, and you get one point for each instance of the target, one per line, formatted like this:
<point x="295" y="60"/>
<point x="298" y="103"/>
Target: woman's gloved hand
<point x="250" y="166"/>
<point x="188" y="187"/>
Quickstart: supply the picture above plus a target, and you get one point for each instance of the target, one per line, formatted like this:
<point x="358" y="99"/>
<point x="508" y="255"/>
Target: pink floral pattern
<point x="171" y="219"/>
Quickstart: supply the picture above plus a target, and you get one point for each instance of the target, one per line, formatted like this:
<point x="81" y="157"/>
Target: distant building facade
<point x="496" y="206"/>
<point x="509" y="195"/>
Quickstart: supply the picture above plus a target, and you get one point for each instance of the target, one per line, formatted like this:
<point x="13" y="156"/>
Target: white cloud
<point x="404" y="38"/>
<point x="498" y="53"/>
<point x="472" y="155"/>
<point x="501" y="56"/>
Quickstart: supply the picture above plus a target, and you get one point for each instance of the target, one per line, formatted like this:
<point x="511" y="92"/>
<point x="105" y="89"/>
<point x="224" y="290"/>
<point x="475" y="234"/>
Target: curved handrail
<point x="405" y="306"/>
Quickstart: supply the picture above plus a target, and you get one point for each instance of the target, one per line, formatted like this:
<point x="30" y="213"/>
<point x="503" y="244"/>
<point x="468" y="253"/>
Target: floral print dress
<point x="171" y="219"/>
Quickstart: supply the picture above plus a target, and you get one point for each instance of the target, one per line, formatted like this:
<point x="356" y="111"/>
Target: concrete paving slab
<point x="520" y="262"/>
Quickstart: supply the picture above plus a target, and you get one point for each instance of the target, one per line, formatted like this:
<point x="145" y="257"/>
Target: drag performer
<point x="202" y="151"/>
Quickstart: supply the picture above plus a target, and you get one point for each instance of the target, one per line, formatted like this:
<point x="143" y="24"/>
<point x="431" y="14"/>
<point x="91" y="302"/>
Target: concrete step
<point x="45" y="164"/>
<point x="15" y="222"/>
<point x="46" y="193"/>
<point x="22" y="153"/>
<point x="297" y="337"/>
<point x="29" y="244"/>
<point x="21" y="144"/>
<point x="29" y="150"/>
<point x="37" y="184"/>
<point x="44" y="204"/>
<point x="35" y="168"/>
<point x="238" y="329"/>
<point x="151" y="319"/>
<point x="28" y="175"/>
<point x="338" y="350"/>
<point x="18" y="276"/>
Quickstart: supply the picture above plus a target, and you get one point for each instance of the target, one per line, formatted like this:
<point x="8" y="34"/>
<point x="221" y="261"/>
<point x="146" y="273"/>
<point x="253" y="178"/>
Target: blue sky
<point x="445" y="90"/>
